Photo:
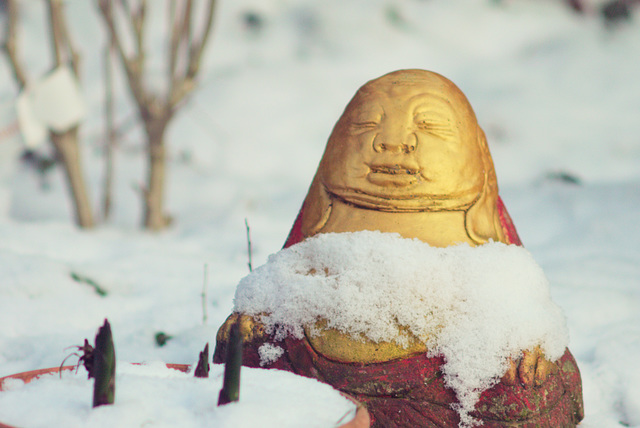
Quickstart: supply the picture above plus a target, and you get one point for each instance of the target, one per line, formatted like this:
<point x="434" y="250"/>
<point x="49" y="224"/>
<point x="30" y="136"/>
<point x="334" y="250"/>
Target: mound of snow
<point x="476" y="306"/>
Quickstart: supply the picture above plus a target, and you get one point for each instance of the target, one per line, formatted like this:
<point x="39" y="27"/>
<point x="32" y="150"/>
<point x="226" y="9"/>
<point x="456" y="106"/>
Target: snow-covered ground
<point x="154" y="395"/>
<point x="558" y="95"/>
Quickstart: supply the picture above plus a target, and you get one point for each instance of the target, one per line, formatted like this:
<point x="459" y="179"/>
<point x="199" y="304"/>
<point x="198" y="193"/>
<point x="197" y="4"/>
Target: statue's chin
<point x="401" y="198"/>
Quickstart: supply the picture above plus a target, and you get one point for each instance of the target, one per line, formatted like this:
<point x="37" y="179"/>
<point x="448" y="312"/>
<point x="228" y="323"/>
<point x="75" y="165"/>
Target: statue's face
<point x="405" y="147"/>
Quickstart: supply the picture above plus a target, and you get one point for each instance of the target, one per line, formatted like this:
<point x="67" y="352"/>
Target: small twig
<point x="138" y="19"/>
<point x="183" y="83"/>
<point x="86" y="359"/>
<point x="246" y="223"/>
<point x="173" y="42"/>
<point x="185" y="35"/>
<point x="205" y="282"/>
<point x="133" y="65"/>
<point x="197" y="47"/>
<point x="186" y="24"/>
<point x="110" y="128"/>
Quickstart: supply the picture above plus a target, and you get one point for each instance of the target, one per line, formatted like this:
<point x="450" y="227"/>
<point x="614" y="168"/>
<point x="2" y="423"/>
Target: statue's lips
<point x="392" y="175"/>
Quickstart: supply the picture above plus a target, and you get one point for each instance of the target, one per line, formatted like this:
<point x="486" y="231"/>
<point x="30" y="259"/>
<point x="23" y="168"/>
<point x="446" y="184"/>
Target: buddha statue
<point x="407" y="156"/>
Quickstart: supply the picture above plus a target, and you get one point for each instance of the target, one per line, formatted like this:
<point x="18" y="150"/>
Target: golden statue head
<point x="408" y="142"/>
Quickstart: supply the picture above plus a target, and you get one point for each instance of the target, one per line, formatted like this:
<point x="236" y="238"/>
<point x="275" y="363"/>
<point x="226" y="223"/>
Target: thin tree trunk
<point x="66" y="143"/>
<point x="155" y="218"/>
<point x="111" y="132"/>
<point x="67" y="150"/>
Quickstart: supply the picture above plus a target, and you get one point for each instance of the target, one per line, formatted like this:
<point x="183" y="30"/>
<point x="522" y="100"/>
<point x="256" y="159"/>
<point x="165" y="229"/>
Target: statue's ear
<point x="316" y="208"/>
<point x="482" y="219"/>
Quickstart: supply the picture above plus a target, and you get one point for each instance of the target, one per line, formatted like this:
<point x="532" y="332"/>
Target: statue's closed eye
<point x="364" y="126"/>
<point x="434" y="127"/>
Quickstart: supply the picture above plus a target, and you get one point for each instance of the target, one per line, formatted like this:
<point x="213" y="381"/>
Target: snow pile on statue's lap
<point x="476" y="306"/>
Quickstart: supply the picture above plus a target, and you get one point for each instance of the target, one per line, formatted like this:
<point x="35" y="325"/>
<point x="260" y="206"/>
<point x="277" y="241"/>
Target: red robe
<point x="411" y="393"/>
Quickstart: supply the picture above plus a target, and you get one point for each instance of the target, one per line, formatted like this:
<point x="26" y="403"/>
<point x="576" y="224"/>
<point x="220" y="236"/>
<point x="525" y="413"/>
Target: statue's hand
<point x="250" y="328"/>
<point x="530" y="369"/>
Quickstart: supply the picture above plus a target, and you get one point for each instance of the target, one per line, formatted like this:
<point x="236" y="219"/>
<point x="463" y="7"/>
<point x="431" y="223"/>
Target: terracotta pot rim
<point x="360" y="420"/>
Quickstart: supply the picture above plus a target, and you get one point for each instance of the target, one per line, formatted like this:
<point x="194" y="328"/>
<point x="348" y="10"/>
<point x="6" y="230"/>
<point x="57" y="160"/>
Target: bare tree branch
<point x="186" y="27"/>
<point x="133" y="67"/>
<point x="54" y="21"/>
<point x="138" y="22"/>
<point x="179" y="46"/>
<point x="186" y="37"/>
<point x="198" y="47"/>
<point x="126" y="6"/>
<point x="11" y="36"/>
<point x="134" y="14"/>
<point x="63" y="48"/>
<point x="110" y="130"/>
<point x="183" y="86"/>
<point x="173" y="42"/>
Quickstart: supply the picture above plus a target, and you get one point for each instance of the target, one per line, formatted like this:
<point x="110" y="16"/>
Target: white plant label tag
<point x="57" y="100"/>
<point x="34" y="131"/>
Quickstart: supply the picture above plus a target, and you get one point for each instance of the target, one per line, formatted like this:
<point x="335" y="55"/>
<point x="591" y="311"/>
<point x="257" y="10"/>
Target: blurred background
<point x="555" y="85"/>
<point x="188" y="118"/>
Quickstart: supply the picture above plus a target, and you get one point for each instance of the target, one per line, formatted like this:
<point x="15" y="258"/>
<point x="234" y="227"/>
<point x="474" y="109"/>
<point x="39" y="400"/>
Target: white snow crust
<point x="269" y="354"/>
<point x="154" y="395"/>
<point x="476" y="306"/>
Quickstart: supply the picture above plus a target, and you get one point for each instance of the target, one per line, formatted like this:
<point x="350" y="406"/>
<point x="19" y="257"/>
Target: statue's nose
<point x="395" y="142"/>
